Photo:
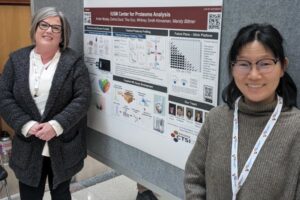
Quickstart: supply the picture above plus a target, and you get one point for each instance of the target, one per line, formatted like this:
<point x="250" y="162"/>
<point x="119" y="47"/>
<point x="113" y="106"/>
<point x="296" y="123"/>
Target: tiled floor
<point x="95" y="182"/>
<point x="92" y="168"/>
<point x="118" y="188"/>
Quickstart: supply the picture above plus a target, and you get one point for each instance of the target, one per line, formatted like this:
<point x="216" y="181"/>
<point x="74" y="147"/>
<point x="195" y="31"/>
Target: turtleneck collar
<point x="257" y="109"/>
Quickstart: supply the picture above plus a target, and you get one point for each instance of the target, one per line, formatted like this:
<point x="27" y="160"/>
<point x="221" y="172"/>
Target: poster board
<point x="154" y="70"/>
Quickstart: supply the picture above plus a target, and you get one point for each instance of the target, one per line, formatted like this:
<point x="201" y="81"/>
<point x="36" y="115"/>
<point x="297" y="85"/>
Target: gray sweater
<point x="67" y="103"/>
<point x="275" y="173"/>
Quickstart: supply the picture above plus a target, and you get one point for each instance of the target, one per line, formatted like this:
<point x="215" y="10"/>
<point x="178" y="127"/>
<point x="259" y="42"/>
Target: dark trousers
<point x="61" y="192"/>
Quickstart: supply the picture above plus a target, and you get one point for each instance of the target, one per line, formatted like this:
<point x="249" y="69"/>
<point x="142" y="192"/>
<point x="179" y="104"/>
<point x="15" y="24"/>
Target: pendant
<point x="35" y="93"/>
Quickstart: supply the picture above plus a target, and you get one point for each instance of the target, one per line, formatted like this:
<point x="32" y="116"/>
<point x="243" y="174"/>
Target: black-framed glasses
<point x="263" y="66"/>
<point x="55" y="28"/>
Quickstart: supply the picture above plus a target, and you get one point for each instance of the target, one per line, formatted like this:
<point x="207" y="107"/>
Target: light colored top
<point x="40" y="81"/>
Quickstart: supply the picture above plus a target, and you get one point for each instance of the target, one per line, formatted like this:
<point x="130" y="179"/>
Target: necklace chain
<point x="38" y="69"/>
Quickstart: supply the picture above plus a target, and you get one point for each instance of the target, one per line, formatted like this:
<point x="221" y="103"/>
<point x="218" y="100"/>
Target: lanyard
<point x="238" y="181"/>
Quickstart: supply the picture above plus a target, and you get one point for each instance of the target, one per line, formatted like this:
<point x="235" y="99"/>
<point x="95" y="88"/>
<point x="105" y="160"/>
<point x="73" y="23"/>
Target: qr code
<point x="208" y="93"/>
<point x="214" y="21"/>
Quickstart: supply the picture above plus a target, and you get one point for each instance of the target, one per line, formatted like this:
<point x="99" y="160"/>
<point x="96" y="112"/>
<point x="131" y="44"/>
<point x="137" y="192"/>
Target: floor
<point x="118" y="188"/>
<point x="82" y="184"/>
<point x="95" y="182"/>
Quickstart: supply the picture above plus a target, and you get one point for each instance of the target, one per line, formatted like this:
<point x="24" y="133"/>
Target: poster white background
<point x="152" y="86"/>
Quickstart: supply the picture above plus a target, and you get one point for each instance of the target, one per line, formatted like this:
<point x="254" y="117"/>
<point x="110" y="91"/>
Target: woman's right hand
<point x="34" y="129"/>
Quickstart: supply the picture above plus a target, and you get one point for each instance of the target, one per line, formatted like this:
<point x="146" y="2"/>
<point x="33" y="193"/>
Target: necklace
<point x="236" y="180"/>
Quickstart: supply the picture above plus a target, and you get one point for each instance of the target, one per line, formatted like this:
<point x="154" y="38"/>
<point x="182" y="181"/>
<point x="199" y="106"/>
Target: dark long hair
<point x="270" y="38"/>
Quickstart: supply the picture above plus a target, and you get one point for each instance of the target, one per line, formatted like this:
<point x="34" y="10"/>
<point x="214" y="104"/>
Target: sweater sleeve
<point x="194" y="178"/>
<point x="10" y="110"/>
<point x="78" y="106"/>
<point x="297" y="195"/>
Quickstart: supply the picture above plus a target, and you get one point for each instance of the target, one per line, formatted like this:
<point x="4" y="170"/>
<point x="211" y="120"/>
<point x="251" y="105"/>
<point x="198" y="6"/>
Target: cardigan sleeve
<point x="10" y="110"/>
<point x="194" y="178"/>
<point x="297" y="196"/>
<point x="78" y="106"/>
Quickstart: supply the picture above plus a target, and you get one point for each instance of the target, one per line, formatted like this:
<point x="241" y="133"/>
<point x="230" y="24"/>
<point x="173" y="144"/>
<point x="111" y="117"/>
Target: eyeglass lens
<point x="263" y="66"/>
<point x="55" y="28"/>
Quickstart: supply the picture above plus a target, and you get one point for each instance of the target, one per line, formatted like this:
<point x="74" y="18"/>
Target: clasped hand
<point x="43" y="131"/>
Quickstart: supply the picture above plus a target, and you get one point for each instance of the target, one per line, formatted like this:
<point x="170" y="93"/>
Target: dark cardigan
<point x="67" y="103"/>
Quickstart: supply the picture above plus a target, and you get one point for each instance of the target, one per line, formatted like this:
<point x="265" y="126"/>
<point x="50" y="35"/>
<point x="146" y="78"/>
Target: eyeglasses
<point x="263" y="66"/>
<point x="55" y="28"/>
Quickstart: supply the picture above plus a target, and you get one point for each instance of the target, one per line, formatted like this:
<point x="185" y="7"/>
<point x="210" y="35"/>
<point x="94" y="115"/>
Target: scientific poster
<point x="154" y="68"/>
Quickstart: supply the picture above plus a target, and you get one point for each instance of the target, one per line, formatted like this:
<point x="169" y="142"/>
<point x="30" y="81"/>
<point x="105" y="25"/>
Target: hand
<point x="34" y="129"/>
<point x="45" y="132"/>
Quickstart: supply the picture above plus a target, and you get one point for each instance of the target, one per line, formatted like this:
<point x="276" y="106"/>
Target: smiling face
<point x="255" y="86"/>
<point x="46" y="39"/>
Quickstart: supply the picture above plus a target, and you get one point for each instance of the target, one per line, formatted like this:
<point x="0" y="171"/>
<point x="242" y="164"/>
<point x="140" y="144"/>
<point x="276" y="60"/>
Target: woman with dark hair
<point x="45" y="93"/>
<point x="249" y="147"/>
